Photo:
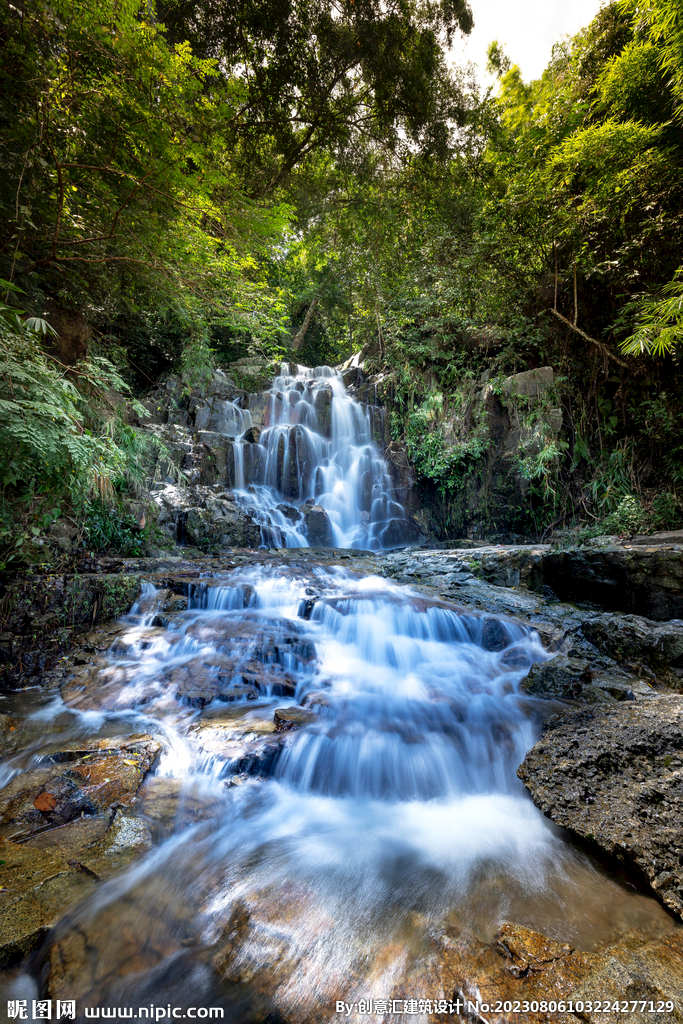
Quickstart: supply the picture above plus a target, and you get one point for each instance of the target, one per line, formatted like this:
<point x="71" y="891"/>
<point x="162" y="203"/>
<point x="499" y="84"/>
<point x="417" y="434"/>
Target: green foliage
<point x="612" y="480"/>
<point x="48" y="419"/>
<point x="117" y="190"/>
<point x="444" y="463"/>
<point x="629" y="517"/>
<point x="107" y="527"/>
<point x="666" y="511"/>
<point x="632" y="84"/>
<point x="659" y="322"/>
<point x="307" y="77"/>
<point x="542" y="467"/>
<point x="64" y="442"/>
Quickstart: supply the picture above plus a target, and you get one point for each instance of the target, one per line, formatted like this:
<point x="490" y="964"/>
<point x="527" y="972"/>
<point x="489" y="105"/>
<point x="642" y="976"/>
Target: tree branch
<point x="603" y="348"/>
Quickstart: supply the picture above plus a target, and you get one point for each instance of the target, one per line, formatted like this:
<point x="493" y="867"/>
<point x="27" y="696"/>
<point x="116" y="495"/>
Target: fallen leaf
<point x="135" y="764"/>
<point x="45" y="802"/>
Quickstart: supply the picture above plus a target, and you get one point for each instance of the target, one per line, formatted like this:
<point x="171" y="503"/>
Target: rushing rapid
<point x="339" y="755"/>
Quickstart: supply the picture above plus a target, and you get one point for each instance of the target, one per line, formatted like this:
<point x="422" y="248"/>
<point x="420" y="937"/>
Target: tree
<point x="306" y="75"/>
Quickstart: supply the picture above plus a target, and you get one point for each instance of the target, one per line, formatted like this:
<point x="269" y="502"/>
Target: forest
<point x="186" y="183"/>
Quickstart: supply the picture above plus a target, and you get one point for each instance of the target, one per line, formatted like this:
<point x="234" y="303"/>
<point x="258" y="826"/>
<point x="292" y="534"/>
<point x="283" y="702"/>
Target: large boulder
<point x="198" y="515"/>
<point x="642" y="580"/>
<point x="634" y="641"/>
<point x="575" y="679"/>
<point x="613" y="775"/>
<point x="317" y="526"/>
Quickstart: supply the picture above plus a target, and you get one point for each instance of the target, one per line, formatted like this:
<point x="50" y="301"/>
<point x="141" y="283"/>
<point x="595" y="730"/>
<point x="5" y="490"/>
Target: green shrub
<point x="109" y="528"/>
<point x="629" y="517"/>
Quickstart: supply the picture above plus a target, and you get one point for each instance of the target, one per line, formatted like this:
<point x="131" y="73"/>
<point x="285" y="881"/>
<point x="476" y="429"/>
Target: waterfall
<point x="238" y="454"/>
<point x="315" y="475"/>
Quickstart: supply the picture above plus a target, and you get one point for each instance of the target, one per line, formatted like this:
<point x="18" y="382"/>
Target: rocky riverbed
<point x="85" y="799"/>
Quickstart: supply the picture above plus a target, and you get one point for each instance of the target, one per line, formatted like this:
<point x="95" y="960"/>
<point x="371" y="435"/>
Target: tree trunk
<point x="301" y="333"/>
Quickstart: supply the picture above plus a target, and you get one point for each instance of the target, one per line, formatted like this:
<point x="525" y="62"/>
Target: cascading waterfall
<point x="390" y="806"/>
<point x="317" y="451"/>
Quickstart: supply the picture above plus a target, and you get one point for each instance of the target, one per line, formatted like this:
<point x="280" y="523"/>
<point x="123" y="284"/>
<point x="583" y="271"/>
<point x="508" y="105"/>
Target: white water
<point x="397" y="808"/>
<point x="317" y="446"/>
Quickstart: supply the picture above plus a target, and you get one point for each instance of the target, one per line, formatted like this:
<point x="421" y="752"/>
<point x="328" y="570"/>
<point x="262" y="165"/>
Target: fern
<point x="61" y="432"/>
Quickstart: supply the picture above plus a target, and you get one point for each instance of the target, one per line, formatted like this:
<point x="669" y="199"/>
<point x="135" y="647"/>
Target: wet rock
<point x="175" y="603"/>
<point x="241" y="737"/>
<point x="293" y="718"/>
<point x="323" y="409"/>
<point x="8" y="729"/>
<point x="494" y="635"/>
<point x="71" y="840"/>
<point x="261" y="943"/>
<point x="253" y="639"/>
<point x="633" y="641"/>
<point x="39" y="886"/>
<point x="613" y="775"/>
<point x="399" y="532"/>
<point x="564" y="677"/>
<point x="634" y="579"/>
<point x="75" y="782"/>
<point x="170" y="804"/>
<point x="524" y="965"/>
<point x="101" y="959"/>
<point x="102" y="686"/>
<point x="252" y="435"/>
<point x="317" y="698"/>
<point x="519" y="965"/>
<point x="637" y="970"/>
<point x="576" y="679"/>
<point x="289" y="512"/>
<point x="402" y="473"/>
<point x="127" y="839"/>
<point x="207" y="519"/>
<point x="259" y="759"/>
<point x="317" y="526"/>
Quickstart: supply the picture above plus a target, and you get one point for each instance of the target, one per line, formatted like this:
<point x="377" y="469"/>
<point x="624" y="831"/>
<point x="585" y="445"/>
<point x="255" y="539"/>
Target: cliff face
<point x="466" y="460"/>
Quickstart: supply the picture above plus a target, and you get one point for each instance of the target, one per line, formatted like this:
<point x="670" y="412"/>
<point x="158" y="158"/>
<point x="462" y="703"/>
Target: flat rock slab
<point x="613" y="775"/>
<point x="523" y="965"/>
<point x="70" y="783"/>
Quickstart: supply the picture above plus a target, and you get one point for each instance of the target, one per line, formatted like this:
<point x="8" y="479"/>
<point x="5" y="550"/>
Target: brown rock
<point x="293" y="718"/>
<point x="81" y="782"/>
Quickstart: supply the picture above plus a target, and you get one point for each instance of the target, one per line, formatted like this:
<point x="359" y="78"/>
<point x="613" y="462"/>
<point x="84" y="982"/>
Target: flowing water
<point x="300" y="867"/>
<point x="318" y="448"/>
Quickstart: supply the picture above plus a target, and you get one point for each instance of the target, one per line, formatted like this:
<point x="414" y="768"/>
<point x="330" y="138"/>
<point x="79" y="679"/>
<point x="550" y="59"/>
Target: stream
<point x="302" y="865"/>
<point x="333" y="768"/>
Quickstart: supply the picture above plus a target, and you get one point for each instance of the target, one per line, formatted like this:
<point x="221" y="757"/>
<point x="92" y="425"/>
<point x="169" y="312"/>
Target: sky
<point x="527" y="30"/>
